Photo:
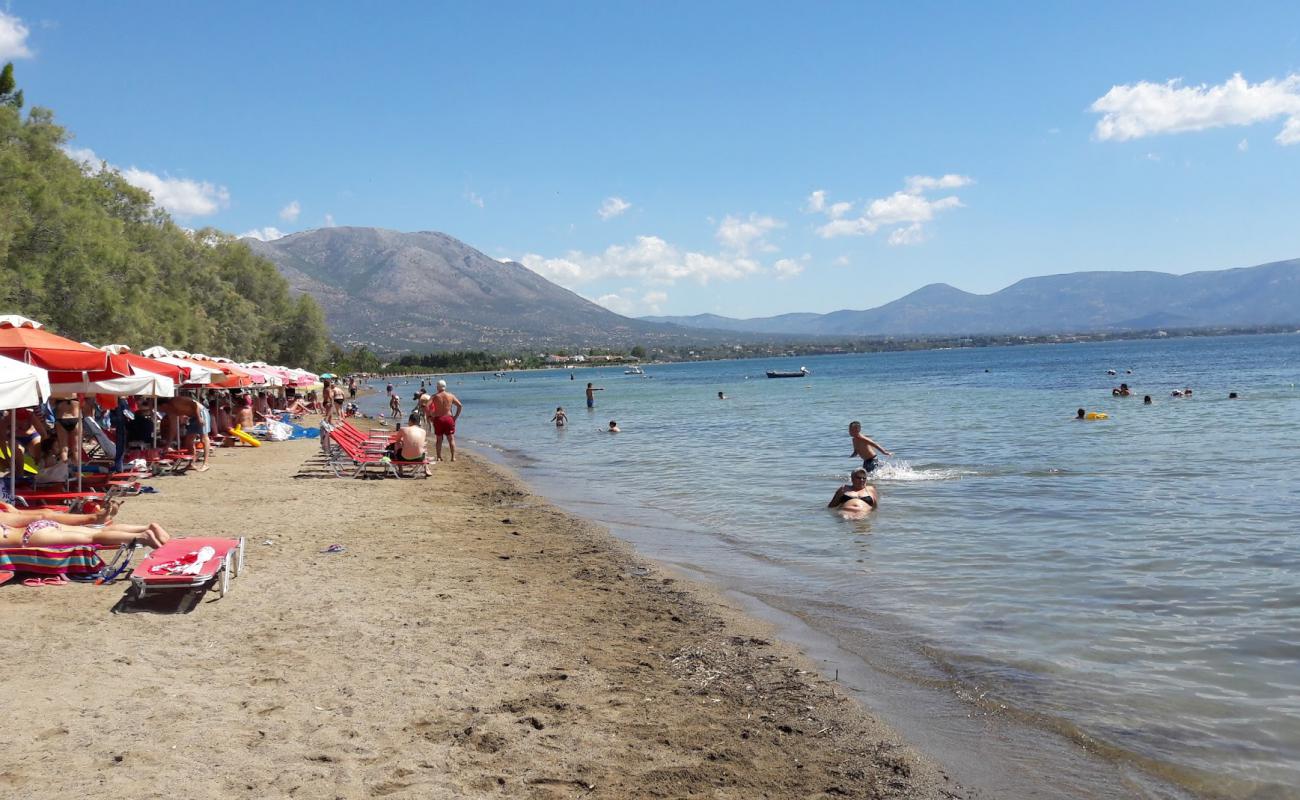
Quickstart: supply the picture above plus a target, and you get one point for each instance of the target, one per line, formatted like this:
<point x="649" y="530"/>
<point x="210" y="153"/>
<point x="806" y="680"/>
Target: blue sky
<point x="976" y="144"/>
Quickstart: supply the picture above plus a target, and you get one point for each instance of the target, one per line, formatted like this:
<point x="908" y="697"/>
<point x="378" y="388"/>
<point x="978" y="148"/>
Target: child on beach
<point x="560" y="418"/>
<point x="865" y="448"/>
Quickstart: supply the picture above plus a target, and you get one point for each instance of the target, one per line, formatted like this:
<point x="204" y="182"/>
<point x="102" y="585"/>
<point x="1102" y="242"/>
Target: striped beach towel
<point x="70" y="560"/>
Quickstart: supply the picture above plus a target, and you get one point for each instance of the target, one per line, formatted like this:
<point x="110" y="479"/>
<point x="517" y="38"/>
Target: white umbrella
<point x="21" y="385"/>
<point x="16" y="321"/>
<point x="142" y="382"/>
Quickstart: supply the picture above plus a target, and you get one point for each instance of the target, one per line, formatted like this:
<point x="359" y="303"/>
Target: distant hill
<point x="429" y="291"/>
<point x="1268" y="294"/>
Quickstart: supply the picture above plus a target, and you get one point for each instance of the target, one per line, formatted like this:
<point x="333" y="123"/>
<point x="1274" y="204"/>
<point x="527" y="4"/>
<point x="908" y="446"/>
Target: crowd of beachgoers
<point x="83" y="426"/>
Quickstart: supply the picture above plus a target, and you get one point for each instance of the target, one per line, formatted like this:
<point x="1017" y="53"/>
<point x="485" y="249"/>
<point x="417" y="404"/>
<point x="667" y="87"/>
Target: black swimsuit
<point x="868" y="499"/>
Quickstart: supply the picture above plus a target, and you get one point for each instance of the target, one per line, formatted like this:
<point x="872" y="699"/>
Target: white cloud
<point x="1133" y="111"/>
<point x="329" y="220"/>
<point x="612" y="207"/>
<point x="648" y="258"/>
<point x="739" y="235"/>
<point x="787" y="268"/>
<point x="912" y="234"/>
<point x="654" y="301"/>
<point x="905" y="212"/>
<point x="842" y="261"/>
<point x="180" y="196"/>
<point x="84" y="156"/>
<point x="1243" y="145"/>
<point x="13" y="38"/>
<point x="290" y="212"/>
<point x="267" y="234"/>
<point x="626" y="303"/>
<point x="616" y="303"/>
<point x="816" y="203"/>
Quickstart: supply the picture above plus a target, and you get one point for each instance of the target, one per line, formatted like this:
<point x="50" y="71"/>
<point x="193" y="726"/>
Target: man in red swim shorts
<point x="444" y="421"/>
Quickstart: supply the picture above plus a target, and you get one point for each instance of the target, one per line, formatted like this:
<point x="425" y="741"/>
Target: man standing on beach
<point x="444" y="422"/>
<point x="865" y="448"/>
<point x="591" y="394"/>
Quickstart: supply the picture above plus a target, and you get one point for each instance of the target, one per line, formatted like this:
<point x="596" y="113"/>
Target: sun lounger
<point x="78" y="562"/>
<point x="193" y="564"/>
<point x="351" y="458"/>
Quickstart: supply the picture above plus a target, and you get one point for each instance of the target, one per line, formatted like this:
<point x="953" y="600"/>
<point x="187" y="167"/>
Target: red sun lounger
<point x="190" y="564"/>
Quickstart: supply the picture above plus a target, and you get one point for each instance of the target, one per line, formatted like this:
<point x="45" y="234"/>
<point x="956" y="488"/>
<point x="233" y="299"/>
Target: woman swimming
<point x="856" y="496"/>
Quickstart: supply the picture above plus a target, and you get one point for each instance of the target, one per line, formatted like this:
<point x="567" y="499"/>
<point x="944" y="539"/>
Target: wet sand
<point x="472" y="640"/>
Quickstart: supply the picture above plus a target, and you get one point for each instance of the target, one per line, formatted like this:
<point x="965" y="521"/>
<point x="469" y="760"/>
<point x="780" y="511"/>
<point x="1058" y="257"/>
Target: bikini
<point x="32" y="527"/>
<point x="868" y="499"/>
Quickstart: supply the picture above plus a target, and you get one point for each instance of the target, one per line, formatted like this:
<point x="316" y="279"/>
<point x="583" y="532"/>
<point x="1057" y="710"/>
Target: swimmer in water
<point x="856" y="496"/>
<point x="1146" y="400"/>
<point x="613" y="427"/>
<point x="560" y="418"/>
<point x="865" y="448"/>
<point x="1081" y="415"/>
<point x="721" y="396"/>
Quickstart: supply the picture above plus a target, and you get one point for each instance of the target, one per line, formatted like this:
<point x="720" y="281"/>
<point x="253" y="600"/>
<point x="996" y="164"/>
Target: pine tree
<point x="8" y="95"/>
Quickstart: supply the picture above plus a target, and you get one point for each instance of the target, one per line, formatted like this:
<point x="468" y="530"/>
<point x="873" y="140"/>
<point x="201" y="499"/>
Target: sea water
<point x="1128" y="586"/>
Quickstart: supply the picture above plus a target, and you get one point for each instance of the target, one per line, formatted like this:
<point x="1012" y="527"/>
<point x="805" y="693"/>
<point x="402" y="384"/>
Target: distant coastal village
<point x="361" y="358"/>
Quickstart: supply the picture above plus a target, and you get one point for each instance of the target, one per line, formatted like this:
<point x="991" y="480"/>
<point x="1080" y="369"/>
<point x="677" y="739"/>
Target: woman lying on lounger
<point x="47" y="528"/>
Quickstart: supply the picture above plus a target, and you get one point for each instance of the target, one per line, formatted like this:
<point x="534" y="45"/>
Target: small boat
<point x="633" y="370"/>
<point x="801" y="373"/>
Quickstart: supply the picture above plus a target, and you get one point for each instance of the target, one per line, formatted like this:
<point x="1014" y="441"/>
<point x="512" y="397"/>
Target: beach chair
<point x="193" y="564"/>
<point x="79" y="562"/>
<point x="349" y="458"/>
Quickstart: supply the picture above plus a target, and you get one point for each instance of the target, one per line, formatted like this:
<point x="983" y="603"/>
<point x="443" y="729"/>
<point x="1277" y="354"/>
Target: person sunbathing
<point x="23" y="529"/>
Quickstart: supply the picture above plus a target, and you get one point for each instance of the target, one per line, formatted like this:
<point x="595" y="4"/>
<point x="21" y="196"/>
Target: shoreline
<point x="982" y="744"/>
<point x="472" y="639"/>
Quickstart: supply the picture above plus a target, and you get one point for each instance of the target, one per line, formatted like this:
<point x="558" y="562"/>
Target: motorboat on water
<point x="803" y="371"/>
<point x="634" y="370"/>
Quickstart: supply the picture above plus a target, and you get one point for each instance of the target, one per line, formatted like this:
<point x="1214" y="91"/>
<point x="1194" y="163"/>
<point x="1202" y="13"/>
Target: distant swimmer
<point x="721" y="396"/>
<point x="865" y="448"/>
<point x="560" y="419"/>
<point x="1175" y="393"/>
<point x="856" y="496"/>
<point x="1111" y="372"/>
<point x="591" y="394"/>
<point x="1082" y="415"/>
<point x="613" y="427"/>
<point x="1146" y="400"/>
<point x="1232" y="395"/>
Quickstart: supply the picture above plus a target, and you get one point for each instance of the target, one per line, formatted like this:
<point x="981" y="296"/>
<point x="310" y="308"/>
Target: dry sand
<point x="472" y="641"/>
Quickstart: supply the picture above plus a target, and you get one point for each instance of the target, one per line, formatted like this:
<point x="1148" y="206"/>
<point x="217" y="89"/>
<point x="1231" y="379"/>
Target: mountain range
<point x="1077" y="302"/>
<point x="430" y="291"/>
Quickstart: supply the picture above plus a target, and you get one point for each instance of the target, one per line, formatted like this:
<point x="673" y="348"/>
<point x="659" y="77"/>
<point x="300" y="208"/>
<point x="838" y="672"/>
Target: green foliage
<point x="360" y="359"/>
<point x="467" y="361"/>
<point x="94" y="259"/>
<point x="638" y="352"/>
<point x="8" y="96"/>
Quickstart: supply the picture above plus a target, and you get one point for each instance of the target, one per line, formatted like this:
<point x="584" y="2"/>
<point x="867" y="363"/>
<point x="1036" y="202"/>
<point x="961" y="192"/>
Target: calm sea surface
<point x="1129" y="585"/>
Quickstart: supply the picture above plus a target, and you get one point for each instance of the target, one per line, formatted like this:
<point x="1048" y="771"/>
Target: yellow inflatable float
<point x="239" y="434"/>
<point x="1097" y="415"/>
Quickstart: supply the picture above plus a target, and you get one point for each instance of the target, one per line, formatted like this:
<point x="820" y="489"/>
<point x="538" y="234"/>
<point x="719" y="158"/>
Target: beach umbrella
<point x="141" y="381"/>
<point x="25" y="340"/>
<point x="21" y="385"/>
<point x="327" y="376"/>
<point x="228" y="376"/>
